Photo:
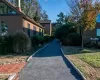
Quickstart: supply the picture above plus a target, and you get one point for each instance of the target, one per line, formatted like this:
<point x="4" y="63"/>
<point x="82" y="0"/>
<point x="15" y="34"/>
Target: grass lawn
<point x="91" y="58"/>
<point x="87" y="60"/>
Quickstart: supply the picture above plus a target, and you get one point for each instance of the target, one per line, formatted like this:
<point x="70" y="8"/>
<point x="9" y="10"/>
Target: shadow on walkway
<point x="52" y="50"/>
<point x="72" y="70"/>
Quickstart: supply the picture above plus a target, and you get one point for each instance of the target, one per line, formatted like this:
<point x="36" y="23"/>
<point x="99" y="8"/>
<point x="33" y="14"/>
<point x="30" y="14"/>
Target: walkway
<point x="49" y="64"/>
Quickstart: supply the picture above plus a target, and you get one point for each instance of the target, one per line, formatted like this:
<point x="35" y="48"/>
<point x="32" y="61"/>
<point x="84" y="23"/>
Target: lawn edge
<point x="77" y="70"/>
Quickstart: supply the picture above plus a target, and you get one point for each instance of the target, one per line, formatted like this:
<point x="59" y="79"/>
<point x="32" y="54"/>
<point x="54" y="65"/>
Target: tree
<point x="61" y="19"/>
<point x="63" y="30"/>
<point x="84" y="13"/>
<point x="69" y="18"/>
<point x="44" y="15"/>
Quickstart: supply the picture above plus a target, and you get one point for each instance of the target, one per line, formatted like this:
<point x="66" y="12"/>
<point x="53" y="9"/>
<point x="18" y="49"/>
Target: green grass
<point x="84" y="59"/>
<point x="86" y="51"/>
<point x="91" y="58"/>
<point x="76" y="50"/>
<point x="98" y="79"/>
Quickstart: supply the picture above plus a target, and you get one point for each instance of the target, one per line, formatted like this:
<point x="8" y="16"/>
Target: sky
<point x="54" y="7"/>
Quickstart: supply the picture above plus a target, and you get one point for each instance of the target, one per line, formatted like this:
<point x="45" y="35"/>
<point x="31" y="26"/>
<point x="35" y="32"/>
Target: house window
<point x="34" y="30"/>
<point x="40" y="32"/>
<point x="98" y="32"/>
<point x="28" y="30"/>
<point x="3" y="28"/>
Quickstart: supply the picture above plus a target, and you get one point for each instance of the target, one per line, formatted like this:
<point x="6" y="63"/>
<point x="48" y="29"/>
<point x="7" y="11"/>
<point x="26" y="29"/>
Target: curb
<point x="77" y="70"/>
<point x="12" y="76"/>
<point x="36" y="52"/>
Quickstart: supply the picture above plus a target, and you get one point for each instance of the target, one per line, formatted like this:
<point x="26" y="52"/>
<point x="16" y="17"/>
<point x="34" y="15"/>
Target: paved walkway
<point x="49" y="64"/>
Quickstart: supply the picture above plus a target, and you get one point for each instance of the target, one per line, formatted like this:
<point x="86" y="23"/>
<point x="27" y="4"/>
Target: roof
<point x="45" y="21"/>
<point x="21" y="13"/>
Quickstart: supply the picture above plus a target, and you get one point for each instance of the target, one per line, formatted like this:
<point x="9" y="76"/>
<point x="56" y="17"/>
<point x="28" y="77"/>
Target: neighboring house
<point x="12" y="19"/>
<point x="94" y="33"/>
<point x="88" y="34"/>
<point x="47" y="27"/>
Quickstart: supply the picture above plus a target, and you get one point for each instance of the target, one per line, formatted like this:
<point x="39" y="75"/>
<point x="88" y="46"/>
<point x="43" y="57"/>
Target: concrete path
<point x="49" y="64"/>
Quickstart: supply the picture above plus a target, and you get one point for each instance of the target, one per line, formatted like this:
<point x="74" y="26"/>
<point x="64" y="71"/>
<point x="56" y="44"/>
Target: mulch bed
<point x="11" y="68"/>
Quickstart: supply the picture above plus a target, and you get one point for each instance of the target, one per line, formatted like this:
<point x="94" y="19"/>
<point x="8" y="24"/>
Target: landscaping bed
<point x="12" y="59"/>
<point x="10" y="64"/>
<point x="86" y="60"/>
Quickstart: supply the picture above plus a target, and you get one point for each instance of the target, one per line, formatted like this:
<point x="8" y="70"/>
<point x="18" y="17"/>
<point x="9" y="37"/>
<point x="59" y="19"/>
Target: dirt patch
<point x="10" y="59"/>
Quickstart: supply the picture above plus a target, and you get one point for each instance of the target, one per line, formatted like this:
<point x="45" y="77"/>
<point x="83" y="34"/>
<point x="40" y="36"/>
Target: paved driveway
<point x="49" y="64"/>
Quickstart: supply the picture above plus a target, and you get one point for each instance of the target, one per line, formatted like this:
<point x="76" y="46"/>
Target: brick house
<point x="92" y="33"/>
<point x="14" y="20"/>
<point x="47" y="26"/>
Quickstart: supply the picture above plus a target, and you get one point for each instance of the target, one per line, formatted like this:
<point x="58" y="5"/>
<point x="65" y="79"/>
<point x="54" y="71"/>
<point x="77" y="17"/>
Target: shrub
<point x="21" y="42"/>
<point x="65" y="30"/>
<point x="1" y="39"/>
<point x="6" y="43"/>
<point x="73" y="39"/>
<point x="36" y="40"/>
<point x="52" y="38"/>
<point x="18" y="42"/>
<point x="46" y="38"/>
